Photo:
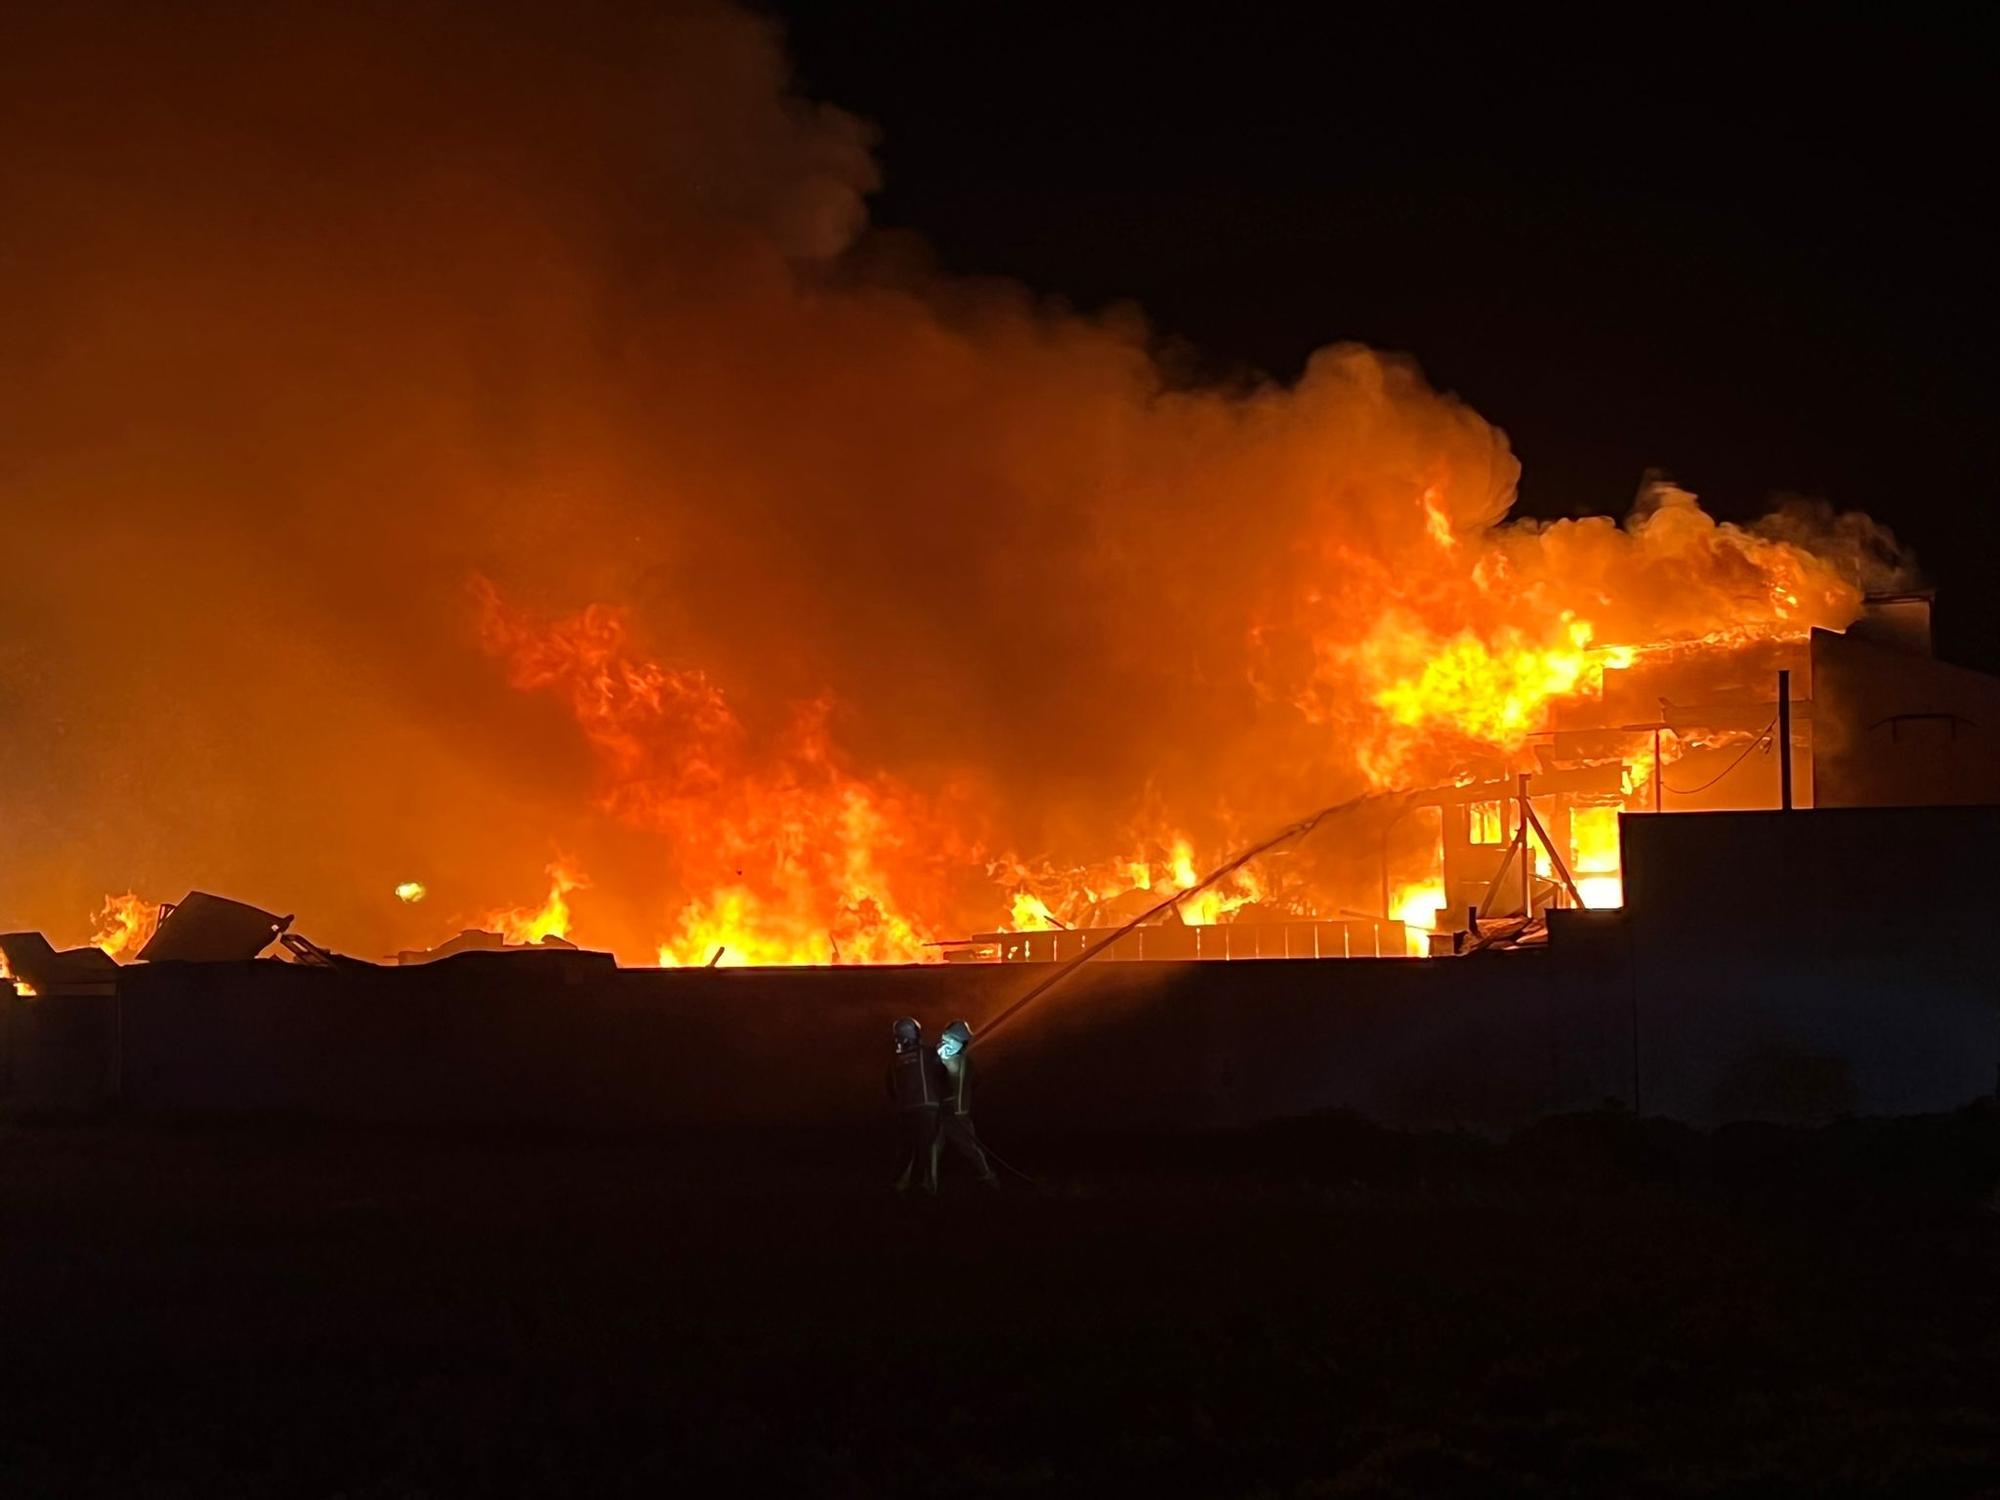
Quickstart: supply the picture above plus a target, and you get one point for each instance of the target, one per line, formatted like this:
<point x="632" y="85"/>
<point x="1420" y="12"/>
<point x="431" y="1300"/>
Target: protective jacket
<point x="955" y="1128"/>
<point x="916" y="1078"/>
<point x="957" y="1083"/>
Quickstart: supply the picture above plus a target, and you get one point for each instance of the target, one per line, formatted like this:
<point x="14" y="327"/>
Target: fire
<point x="1047" y="894"/>
<point x="21" y="986"/>
<point x="1182" y="871"/>
<point x="1594" y="842"/>
<point x="124" y="925"/>
<point x="742" y="927"/>
<point x="411" y="891"/>
<point x="1417" y="905"/>
<point x="1221" y="901"/>
<point x="1031" y="914"/>
<point x="1496" y="692"/>
<point x="1458" y="652"/>
<point x="881" y="599"/>
<point x="530" y="924"/>
<point x="784" y="853"/>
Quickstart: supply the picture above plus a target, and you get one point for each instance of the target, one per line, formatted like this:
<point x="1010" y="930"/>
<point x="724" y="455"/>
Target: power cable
<point x="1696" y="790"/>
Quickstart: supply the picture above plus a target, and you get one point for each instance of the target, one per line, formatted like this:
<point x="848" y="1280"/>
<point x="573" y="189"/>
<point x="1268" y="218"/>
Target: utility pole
<point x="1785" y="740"/>
<point x="1527" y="853"/>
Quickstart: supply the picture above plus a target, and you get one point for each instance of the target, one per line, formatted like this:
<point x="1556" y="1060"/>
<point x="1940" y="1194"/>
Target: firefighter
<point x="916" y="1085"/>
<point x="955" y="1119"/>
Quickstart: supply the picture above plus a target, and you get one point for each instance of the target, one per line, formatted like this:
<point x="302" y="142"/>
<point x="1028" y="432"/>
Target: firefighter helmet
<point x="906" y="1031"/>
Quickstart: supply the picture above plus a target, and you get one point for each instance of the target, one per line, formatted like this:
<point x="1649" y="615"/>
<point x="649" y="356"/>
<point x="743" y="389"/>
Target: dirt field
<point x="1600" y="1307"/>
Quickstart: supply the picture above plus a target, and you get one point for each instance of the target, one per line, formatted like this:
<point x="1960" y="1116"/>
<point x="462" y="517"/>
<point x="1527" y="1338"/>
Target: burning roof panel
<point x="31" y="960"/>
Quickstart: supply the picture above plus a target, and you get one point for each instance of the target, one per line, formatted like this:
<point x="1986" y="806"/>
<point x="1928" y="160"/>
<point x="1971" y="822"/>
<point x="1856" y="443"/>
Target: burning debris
<point x="32" y="967"/>
<point x="126" y="925"/>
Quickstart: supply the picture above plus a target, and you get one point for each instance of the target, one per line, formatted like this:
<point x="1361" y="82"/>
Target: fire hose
<point x="1290" y="831"/>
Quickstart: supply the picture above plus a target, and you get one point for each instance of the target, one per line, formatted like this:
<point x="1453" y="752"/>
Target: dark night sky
<point x="1757" y="261"/>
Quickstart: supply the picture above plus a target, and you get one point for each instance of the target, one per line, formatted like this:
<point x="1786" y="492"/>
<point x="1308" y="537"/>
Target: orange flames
<point x="1594" y="843"/>
<point x="783" y="854"/>
<point x="124" y="925"/>
<point x="530" y="924"/>
<point x="1417" y="904"/>
<point x="21" y="986"/>
<point x="1456" y="651"/>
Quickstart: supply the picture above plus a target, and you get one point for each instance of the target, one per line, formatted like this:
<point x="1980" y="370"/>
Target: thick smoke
<point x="343" y="351"/>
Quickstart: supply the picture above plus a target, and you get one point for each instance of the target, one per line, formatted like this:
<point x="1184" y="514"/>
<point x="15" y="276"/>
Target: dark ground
<point x="1601" y="1306"/>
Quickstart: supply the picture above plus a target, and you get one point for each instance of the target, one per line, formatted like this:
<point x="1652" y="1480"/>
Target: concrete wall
<point x="1807" y="965"/>
<point x="534" y="1039"/>
<point x="1895" y="729"/>
<point x="1869" y="987"/>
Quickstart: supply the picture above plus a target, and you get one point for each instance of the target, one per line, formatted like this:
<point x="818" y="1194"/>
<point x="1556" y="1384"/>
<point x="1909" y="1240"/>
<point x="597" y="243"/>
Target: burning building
<point x="1864" y="990"/>
<point x="1729" y="721"/>
<point x="561" y="469"/>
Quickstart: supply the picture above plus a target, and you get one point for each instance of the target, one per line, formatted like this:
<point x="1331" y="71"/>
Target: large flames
<point x="783" y="852"/>
<point x="823" y="607"/>
<point x="1465" y="651"/>
<point x="773" y="847"/>
<point x="551" y="919"/>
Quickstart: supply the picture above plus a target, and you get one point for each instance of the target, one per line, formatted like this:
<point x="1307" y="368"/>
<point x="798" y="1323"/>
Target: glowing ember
<point x="411" y="891"/>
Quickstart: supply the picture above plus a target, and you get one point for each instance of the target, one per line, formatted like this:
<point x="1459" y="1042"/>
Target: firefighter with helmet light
<point x="955" y="1118"/>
